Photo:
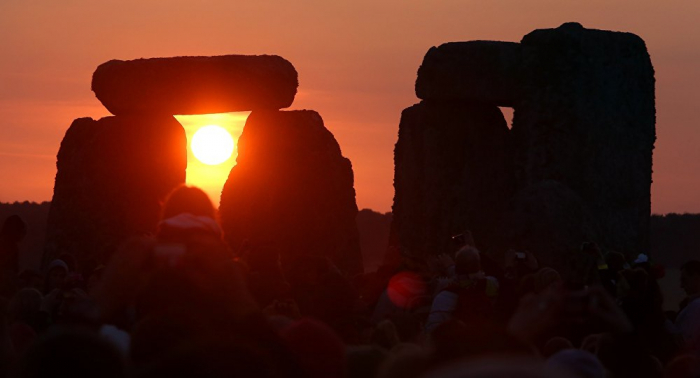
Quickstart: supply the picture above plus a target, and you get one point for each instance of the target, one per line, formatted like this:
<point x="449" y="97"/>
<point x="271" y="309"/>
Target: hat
<point x="57" y="264"/>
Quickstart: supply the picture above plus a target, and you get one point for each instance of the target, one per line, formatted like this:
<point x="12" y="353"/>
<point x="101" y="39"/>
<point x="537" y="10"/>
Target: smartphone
<point x="520" y="255"/>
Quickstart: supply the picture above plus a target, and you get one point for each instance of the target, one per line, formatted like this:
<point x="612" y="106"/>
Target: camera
<point x="459" y="240"/>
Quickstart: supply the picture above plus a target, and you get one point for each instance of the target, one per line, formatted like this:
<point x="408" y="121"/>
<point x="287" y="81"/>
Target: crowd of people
<point x="182" y="303"/>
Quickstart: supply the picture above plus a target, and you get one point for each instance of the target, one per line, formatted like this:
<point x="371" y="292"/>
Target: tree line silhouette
<point x="675" y="238"/>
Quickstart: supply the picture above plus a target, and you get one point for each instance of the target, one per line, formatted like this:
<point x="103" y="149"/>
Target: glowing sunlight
<point x="210" y="156"/>
<point x="212" y="145"/>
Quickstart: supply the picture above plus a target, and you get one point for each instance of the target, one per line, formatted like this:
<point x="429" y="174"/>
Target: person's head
<point x="545" y="278"/>
<point x="579" y="363"/>
<point x="29" y="278"/>
<point x="467" y="261"/>
<point x="498" y="367"/>
<point x="690" y="277"/>
<point x="70" y="260"/>
<point x="318" y="348"/>
<point x="556" y="345"/>
<point x="55" y="275"/>
<point x="454" y="340"/>
<point x="683" y="366"/>
<point x="616" y="261"/>
<point x="188" y="199"/>
<point x="590" y="343"/>
<point x="624" y="359"/>
<point x="385" y="335"/>
<point x="14" y="228"/>
<point x="188" y="214"/>
<point x="94" y="279"/>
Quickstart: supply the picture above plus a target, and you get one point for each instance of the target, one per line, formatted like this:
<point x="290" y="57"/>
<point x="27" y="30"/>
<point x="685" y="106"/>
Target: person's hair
<point x="14" y="227"/>
<point x="615" y="260"/>
<point x="467" y="260"/>
<point x="70" y="260"/>
<point x="692" y="267"/>
<point x="187" y="199"/>
<point x="545" y="278"/>
<point x="555" y="345"/>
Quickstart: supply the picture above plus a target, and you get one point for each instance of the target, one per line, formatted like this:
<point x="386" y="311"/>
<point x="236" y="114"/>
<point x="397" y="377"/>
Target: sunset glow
<point x="212" y="145"/>
<point x="211" y="178"/>
<point x="358" y="79"/>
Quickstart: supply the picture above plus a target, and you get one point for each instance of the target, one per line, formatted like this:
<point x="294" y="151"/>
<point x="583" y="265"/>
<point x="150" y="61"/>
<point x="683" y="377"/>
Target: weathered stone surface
<point x="587" y="120"/>
<point x="453" y="172"/>
<point x="552" y="221"/>
<point x="479" y="71"/>
<point x="195" y="84"/>
<point x="112" y="175"/>
<point x="292" y="191"/>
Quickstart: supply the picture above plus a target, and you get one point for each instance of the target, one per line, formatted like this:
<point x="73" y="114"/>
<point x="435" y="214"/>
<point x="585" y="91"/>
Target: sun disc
<point x="212" y="145"/>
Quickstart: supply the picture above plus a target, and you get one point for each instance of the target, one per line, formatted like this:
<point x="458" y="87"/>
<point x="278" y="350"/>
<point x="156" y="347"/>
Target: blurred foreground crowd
<point x="182" y="303"/>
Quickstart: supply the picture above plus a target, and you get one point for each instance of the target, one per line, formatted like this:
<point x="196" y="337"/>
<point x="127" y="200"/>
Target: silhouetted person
<point x="64" y="297"/>
<point x="56" y="274"/>
<point x="70" y="260"/>
<point x="13" y="231"/>
<point x="614" y="263"/>
<point x="30" y="278"/>
<point x="320" y="290"/>
<point x="688" y="320"/>
<point x="579" y="363"/>
<point x="319" y="350"/>
<point x="188" y="212"/>
<point x="469" y="296"/>
<point x="641" y="299"/>
<point x="25" y="319"/>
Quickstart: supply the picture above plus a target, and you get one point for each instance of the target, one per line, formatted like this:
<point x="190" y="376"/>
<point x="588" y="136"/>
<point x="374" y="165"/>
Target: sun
<point x="212" y="145"/>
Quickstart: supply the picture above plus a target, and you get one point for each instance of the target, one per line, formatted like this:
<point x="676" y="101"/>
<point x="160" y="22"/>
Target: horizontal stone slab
<point x="481" y="71"/>
<point x="195" y="84"/>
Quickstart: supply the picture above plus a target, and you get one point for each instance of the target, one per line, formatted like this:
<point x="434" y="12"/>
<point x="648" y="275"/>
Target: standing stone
<point x="195" y="84"/>
<point x="453" y="172"/>
<point x="292" y="191"/>
<point x="475" y="71"/>
<point x="112" y="175"/>
<point x="587" y="120"/>
<point x="550" y="220"/>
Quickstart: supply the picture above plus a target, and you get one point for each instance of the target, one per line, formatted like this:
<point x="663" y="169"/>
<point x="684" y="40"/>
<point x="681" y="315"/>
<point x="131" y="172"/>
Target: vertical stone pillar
<point x="112" y="175"/>
<point x="453" y="172"/>
<point x="586" y="119"/>
<point x="292" y="191"/>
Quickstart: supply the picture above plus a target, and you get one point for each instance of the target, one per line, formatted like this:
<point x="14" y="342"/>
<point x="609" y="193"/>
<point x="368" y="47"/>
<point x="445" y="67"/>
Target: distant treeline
<point x="675" y="238"/>
<point x="374" y="237"/>
<point x="35" y="216"/>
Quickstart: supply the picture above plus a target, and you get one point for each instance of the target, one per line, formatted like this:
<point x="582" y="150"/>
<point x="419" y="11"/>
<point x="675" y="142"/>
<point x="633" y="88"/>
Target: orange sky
<point x="357" y="63"/>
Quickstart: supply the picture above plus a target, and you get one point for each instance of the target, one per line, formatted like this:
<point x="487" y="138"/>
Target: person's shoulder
<point x="694" y="304"/>
<point x="447" y="294"/>
<point x="445" y="300"/>
<point x="690" y="310"/>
